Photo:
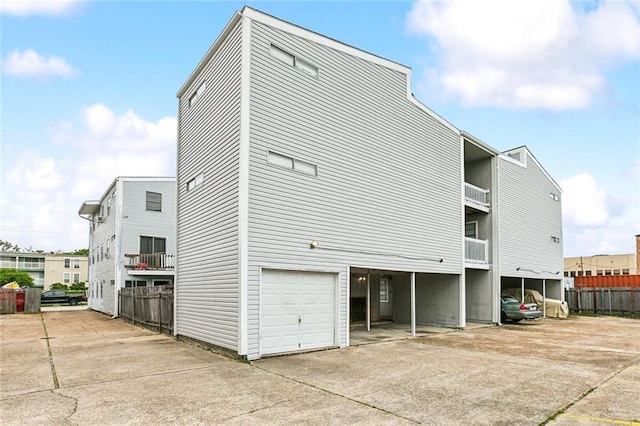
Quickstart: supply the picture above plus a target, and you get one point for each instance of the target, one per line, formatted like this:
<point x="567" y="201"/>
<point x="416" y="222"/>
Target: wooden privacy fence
<point x="151" y="307"/>
<point x="25" y="300"/>
<point x="611" y="301"/>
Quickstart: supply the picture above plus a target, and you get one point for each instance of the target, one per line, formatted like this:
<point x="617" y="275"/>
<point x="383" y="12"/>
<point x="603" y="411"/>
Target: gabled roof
<point x="528" y="154"/>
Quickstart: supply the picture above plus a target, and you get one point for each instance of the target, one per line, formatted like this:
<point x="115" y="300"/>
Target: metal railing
<point x="476" y="251"/>
<point x="151" y="261"/>
<point x="476" y="194"/>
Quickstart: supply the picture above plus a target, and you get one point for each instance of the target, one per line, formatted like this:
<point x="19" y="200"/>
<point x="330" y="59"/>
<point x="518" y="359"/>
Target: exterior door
<point x="297" y="311"/>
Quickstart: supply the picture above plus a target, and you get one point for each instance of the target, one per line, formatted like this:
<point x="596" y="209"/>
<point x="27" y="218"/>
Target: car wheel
<point x="73" y="302"/>
<point x="503" y="317"/>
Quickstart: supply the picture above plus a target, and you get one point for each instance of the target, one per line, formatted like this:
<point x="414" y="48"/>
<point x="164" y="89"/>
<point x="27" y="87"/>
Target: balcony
<point x="476" y="251"/>
<point x="476" y="197"/>
<point x="151" y="262"/>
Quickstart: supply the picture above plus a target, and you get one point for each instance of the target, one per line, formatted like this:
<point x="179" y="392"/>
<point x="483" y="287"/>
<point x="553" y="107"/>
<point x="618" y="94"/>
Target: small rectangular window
<point x="616" y="272"/>
<point x="196" y="181"/>
<point x="304" y="167"/>
<point x="76" y="278"/>
<point x="607" y="271"/>
<point x="198" y="93"/>
<point x="285" y="57"/>
<point x="572" y="273"/>
<point x="66" y="278"/>
<point x="154" y="201"/>
<point x="306" y="67"/>
<point x="76" y="263"/>
<point x="108" y="206"/>
<point x="580" y="273"/>
<point x="625" y="272"/>
<point x="280" y="160"/>
<point x="587" y="273"/>
<point x="384" y="290"/>
<point x="292" y="163"/>
<point x="67" y="262"/>
<point x="555" y="239"/>
<point x="599" y="272"/>
<point x="566" y="273"/>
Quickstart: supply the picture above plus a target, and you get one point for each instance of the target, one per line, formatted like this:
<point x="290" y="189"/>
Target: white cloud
<point x="590" y="224"/>
<point x="38" y="7"/>
<point x="524" y="54"/>
<point x="42" y="193"/>
<point x="583" y="202"/>
<point x="29" y="63"/>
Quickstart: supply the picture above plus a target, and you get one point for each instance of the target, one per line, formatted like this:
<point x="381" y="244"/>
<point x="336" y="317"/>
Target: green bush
<point x="8" y="275"/>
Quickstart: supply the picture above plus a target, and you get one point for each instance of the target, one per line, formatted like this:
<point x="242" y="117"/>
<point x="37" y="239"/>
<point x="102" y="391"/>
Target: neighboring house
<point x="48" y="268"/>
<point x="604" y="264"/>
<point x="131" y="238"/>
<point x="315" y="192"/>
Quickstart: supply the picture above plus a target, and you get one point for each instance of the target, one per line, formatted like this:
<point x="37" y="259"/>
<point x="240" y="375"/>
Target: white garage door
<point x="297" y="311"/>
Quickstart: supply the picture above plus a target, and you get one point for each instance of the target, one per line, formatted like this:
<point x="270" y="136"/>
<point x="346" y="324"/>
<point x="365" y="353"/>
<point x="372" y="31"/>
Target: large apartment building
<point x="131" y="238"/>
<point x="315" y="191"/>
<point x="48" y="268"/>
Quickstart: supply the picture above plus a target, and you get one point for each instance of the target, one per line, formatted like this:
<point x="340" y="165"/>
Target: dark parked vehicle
<point x="60" y="296"/>
<point x="514" y="310"/>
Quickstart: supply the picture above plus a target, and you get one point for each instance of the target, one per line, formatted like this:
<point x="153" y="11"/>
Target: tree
<point x="77" y="286"/>
<point x="58" y="286"/>
<point x="81" y="252"/>
<point x="8" y="275"/>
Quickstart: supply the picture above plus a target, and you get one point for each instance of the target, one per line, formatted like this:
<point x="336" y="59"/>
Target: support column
<point x="544" y="298"/>
<point x="368" y="301"/>
<point x="413" y="303"/>
<point x="522" y="291"/>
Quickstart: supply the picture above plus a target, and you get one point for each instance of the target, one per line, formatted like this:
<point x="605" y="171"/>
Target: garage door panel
<point x="297" y="311"/>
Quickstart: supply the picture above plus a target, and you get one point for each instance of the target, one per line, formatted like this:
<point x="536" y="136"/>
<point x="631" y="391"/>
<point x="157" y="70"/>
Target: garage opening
<point x="546" y="293"/>
<point x="297" y="311"/>
<point x="380" y="304"/>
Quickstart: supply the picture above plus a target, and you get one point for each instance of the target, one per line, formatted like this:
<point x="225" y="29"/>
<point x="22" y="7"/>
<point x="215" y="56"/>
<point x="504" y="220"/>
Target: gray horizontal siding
<point x="528" y="218"/>
<point x="207" y="264"/>
<point x="389" y="174"/>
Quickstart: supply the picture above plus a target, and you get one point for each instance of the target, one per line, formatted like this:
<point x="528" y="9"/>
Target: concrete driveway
<point x="81" y="367"/>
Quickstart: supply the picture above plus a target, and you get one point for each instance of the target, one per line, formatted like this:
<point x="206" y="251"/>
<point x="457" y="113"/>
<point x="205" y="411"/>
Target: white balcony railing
<point x="476" y="251"/>
<point x="476" y="195"/>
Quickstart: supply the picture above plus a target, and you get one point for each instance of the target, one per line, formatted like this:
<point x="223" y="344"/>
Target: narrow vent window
<point x="555" y="239"/>
<point x="196" y="181"/>
<point x="293" y="60"/>
<point x="198" y="93"/>
<point x="292" y="163"/>
<point x="554" y="197"/>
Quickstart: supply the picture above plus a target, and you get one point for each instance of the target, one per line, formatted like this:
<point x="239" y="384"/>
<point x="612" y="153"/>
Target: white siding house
<point x="131" y="238"/>
<point x="530" y="225"/>
<point x="315" y="192"/>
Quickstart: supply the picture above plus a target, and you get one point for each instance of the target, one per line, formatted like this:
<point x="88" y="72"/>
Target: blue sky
<point x="88" y="93"/>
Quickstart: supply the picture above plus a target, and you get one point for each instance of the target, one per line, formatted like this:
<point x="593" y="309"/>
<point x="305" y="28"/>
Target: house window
<point x="599" y="272"/>
<point x="384" y="289"/>
<point x="76" y="278"/>
<point x="566" y="273"/>
<point x="161" y="282"/>
<point x="293" y="61"/>
<point x="196" y="181"/>
<point x="616" y="272"/>
<point x="554" y="197"/>
<point x="607" y="271"/>
<point x="198" y="93"/>
<point x="587" y="273"/>
<point x="153" y="245"/>
<point x="292" y="163"/>
<point x="67" y="262"/>
<point x="471" y="230"/>
<point x="625" y="272"/>
<point x="65" y="278"/>
<point x="154" y="201"/>
<point x="130" y="283"/>
<point x="108" y="206"/>
<point x="555" y="239"/>
<point x="108" y="249"/>
<point x="580" y="273"/>
<point x="76" y="263"/>
<point x="573" y="273"/>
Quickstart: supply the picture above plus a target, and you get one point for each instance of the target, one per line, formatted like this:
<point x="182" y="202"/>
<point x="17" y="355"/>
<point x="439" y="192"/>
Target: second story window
<point x="76" y="263"/>
<point x="154" y="201"/>
<point x="153" y="245"/>
<point x="67" y="262"/>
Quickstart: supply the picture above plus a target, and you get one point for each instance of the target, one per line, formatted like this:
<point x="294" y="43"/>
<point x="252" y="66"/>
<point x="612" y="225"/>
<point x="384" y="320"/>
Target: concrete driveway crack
<point x="366" y="404"/>
<point x="56" y="384"/>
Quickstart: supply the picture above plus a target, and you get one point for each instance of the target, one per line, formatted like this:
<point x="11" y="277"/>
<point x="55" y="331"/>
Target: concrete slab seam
<point x="338" y="395"/>
<point x="600" y="420"/>
<point x="56" y="384"/>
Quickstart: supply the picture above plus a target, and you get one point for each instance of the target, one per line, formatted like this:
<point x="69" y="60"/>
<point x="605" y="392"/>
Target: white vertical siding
<point x="528" y="219"/>
<point x="207" y="245"/>
<point x="389" y="174"/>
